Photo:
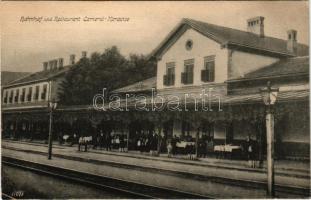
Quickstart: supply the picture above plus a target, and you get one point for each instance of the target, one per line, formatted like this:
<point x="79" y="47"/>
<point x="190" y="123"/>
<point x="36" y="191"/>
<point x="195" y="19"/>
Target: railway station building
<point x="230" y="65"/>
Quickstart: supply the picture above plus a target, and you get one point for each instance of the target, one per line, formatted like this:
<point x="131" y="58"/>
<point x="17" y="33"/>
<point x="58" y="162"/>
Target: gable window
<point x="29" y="94"/>
<point x="43" y="94"/>
<point x="189" y="45"/>
<point x="16" y="96"/>
<point x="23" y="94"/>
<point x="208" y="73"/>
<point x="169" y="77"/>
<point x="187" y="75"/>
<point x="36" y="95"/>
<point x="5" y="99"/>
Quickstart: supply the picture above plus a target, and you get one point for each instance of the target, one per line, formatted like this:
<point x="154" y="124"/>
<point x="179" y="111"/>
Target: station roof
<point x="39" y="76"/>
<point x="144" y="85"/>
<point x="296" y="65"/>
<point x="230" y="36"/>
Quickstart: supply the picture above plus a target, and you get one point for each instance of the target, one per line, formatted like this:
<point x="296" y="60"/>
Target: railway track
<point x="6" y="196"/>
<point x="282" y="190"/>
<point x="128" y="188"/>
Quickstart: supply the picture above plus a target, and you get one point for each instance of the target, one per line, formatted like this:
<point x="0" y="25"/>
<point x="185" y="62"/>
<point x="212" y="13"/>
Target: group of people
<point x="152" y="143"/>
<point x="106" y="141"/>
<point x="148" y="143"/>
<point x="205" y="145"/>
<point x="101" y="141"/>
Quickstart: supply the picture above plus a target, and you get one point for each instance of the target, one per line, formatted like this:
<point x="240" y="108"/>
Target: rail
<point x="129" y="188"/>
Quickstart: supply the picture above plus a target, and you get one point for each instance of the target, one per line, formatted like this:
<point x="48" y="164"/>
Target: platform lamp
<point x="52" y="106"/>
<point x="269" y="96"/>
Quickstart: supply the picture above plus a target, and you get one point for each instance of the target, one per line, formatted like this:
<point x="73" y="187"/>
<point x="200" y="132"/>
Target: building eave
<point x="266" y="77"/>
<point x="232" y="45"/>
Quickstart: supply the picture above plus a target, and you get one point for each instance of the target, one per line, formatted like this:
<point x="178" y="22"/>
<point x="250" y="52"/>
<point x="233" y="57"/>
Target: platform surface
<point x="289" y="175"/>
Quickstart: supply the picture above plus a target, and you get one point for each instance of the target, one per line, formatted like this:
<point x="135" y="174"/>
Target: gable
<point x="201" y="46"/>
<point x="175" y="35"/>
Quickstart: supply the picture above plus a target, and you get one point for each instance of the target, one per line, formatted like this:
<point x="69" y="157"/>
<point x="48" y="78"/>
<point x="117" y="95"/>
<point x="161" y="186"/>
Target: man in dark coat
<point x="108" y="142"/>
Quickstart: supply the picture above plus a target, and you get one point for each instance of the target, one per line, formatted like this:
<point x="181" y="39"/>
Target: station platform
<point x="193" y="176"/>
<point x="289" y="167"/>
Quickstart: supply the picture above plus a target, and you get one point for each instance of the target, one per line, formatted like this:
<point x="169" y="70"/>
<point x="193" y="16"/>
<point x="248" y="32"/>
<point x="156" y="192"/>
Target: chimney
<point x="292" y="41"/>
<point x="84" y="53"/>
<point x="255" y="25"/>
<point x="72" y="59"/>
<point x="51" y="64"/>
<point x="60" y="62"/>
<point x="45" y="66"/>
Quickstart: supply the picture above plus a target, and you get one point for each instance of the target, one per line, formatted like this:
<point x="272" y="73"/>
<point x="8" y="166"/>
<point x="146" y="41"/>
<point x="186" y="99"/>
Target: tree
<point x="110" y="70"/>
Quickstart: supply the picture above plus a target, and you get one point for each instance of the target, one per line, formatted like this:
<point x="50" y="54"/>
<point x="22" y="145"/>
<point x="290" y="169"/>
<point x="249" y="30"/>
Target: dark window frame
<point x="44" y="92"/>
<point x="16" y="96"/>
<point x="187" y="75"/>
<point x="29" y="94"/>
<point x="169" y="77"/>
<point x="36" y="94"/>
<point x="5" y="99"/>
<point x="23" y="96"/>
<point x="11" y="96"/>
<point x="208" y="73"/>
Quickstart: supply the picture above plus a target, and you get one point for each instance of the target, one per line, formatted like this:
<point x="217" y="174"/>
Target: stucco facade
<point x="27" y="87"/>
<point x="228" y="63"/>
<point x="202" y="47"/>
<point x="50" y="88"/>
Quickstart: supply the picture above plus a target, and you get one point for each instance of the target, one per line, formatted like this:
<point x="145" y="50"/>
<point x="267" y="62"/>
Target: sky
<point x="26" y="45"/>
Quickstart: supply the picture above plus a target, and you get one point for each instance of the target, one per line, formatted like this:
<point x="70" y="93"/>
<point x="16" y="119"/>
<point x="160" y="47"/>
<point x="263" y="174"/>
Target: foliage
<point x="109" y="70"/>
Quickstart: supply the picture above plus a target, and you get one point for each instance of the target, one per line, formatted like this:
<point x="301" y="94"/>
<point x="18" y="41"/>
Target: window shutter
<point x="204" y="75"/>
<point x="165" y="80"/>
<point x="172" y="79"/>
<point x="190" y="78"/>
<point x="212" y="72"/>
<point x="210" y="68"/>
<point x="183" y="77"/>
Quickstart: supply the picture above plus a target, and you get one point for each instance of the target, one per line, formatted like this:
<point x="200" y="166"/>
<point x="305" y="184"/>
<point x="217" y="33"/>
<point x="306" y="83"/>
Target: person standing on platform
<point x="122" y="143"/>
<point x="108" y="141"/>
<point x="173" y="143"/>
<point x="249" y="148"/>
<point x="169" y="148"/>
<point x="85" y="144"/>
<point x="96" y="141"/>
<point x="101" y="140"/>
<point x="74" y="139"/>
<point x="80" y="142"/>
<point x="139" y="144"/>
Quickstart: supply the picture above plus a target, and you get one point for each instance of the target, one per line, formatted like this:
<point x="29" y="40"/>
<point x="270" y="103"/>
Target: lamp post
<point x="52" y="107"/>
<point x="269" y="96"/>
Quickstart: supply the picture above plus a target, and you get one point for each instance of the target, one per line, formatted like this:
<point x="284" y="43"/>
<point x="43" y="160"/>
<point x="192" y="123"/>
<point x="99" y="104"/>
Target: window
<point x="43" y="94"/>
<point x="294" y="36"/>
<point x="208" y="73"/>
<point x="5" y="99"/>
<point x="16" y="96"/>
<point x="29" y="94"/>
<point x="189" y="45"/>
<point x="36" y="96"/>
<point x="23" y="95"/>
<point x="169" y="78"/>
<point x="187" y="75"/>
<point x="11" y="97"/>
